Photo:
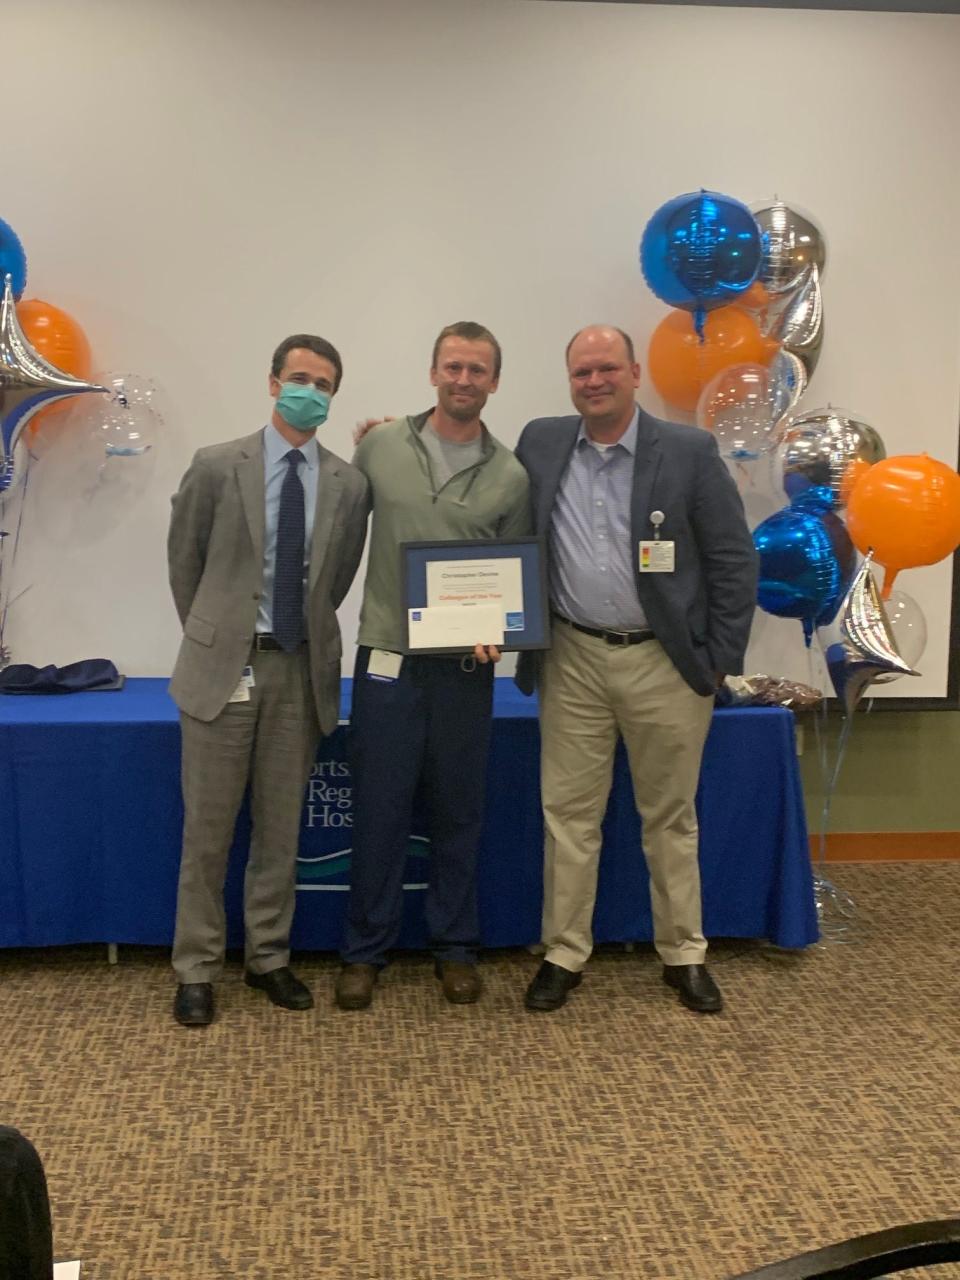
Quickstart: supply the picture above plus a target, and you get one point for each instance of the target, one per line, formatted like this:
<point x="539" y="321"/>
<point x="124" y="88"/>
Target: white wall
<point x="194" y="179"/>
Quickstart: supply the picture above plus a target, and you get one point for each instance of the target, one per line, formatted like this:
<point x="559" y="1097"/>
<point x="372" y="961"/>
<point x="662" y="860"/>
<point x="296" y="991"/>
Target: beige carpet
<point x="622" y="1137"/>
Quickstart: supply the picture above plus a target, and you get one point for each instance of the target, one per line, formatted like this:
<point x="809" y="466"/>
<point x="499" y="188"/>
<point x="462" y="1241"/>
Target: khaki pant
<point x="590" y="694"/>
<point x="270" y="741"/>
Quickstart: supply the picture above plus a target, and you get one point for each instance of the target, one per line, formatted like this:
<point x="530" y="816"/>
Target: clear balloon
<point x="820" y="456"/>
<point x="909" y="627"/>
<point x="700" y="251"/>
<point x="743" y="406"/>
<point x="806" y="564"/>
<point x="867" y="648"/>
<point x="792" y="243"/>
<point x="127" y="427"/>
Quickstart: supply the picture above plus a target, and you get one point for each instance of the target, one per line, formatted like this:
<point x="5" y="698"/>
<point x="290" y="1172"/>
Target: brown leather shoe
<point x="461" y="983"/>
<point x="354" y="986"/>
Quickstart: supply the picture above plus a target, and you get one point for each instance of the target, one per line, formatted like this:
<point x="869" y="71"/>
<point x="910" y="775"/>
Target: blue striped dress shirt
<point x="591" y="543"/>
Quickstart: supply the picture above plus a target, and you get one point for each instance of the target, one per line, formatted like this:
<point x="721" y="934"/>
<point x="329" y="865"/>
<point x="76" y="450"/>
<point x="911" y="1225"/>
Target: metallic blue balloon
<point x="701" y="251"/>
<point x="13" y="260"/>
<point x="807" y="563"/>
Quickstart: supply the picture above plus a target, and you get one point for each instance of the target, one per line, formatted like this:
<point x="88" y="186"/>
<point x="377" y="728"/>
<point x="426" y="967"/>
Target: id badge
<point x="656" y="556"/>
<point x="242" y="692"/>
<point x="384" y="666"/>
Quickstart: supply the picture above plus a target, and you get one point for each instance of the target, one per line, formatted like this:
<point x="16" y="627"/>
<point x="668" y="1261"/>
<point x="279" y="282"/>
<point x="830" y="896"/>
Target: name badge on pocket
<point x="242" y="692"/>
<point x="384" y="666"/>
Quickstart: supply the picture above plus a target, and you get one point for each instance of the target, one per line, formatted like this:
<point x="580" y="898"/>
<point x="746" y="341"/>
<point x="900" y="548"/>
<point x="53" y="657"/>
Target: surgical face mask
<point x="302" y="406"/>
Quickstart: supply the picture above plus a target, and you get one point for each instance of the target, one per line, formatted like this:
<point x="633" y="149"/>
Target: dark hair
<point x="472" y="332"/>
<point x="627" y="340"/>
<point x="307" y="342"/>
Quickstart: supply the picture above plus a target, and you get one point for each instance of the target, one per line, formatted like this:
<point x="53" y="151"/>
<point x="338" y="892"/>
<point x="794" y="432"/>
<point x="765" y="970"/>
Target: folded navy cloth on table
<point x="91" y="673"/>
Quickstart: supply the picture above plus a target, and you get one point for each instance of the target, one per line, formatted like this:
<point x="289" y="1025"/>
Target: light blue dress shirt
<point x="591" y="543"/>
<point x="275" y="467"/>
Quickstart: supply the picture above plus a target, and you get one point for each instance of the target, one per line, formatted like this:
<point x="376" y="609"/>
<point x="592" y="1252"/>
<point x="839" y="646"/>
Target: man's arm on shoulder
<point x="191" y="521"/>
<point x="728" y="559"/>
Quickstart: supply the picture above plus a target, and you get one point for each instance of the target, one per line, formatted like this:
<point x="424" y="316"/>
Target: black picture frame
<point x="532" y="631"/>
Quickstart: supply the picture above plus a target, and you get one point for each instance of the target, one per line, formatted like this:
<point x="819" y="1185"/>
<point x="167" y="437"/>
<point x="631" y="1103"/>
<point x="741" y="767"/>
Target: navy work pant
<point x="426" y="732"/>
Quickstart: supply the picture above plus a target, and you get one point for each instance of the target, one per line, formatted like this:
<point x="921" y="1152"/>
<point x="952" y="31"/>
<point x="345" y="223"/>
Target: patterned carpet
<point x="622" y="1137"/>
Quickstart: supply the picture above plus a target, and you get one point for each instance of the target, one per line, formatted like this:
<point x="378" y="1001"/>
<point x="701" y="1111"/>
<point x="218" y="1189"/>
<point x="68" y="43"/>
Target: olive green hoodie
<point x="487" y="500"/>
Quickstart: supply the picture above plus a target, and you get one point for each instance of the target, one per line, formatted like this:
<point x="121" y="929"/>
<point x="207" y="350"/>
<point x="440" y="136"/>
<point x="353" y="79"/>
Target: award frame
<point x="529" y="630"/>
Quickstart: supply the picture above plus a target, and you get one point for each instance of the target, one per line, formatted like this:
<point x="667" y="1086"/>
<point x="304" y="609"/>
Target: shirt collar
<point x="275" y="448"/>
<point x="628" y="441"/>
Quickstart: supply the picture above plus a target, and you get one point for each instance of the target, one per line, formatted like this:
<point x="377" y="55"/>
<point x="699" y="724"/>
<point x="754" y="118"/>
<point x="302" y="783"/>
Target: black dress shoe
<point x="696" y="989"/>
<point x="461" y="982"/>
<point x="193" y="1004"/>
<point x="549" y="989"/>
<point x="282" y="988"/>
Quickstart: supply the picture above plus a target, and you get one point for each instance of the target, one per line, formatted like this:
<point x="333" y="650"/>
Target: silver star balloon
<point x="798" y="325"/>
<point x="867" y="647"/>
<point x="28" y="383"/>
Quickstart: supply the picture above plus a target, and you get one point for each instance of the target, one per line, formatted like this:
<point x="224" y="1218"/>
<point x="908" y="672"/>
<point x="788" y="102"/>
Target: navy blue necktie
<point x="288" y="566"/>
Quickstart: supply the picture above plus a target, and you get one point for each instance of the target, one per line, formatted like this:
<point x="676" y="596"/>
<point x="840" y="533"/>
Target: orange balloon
<point x="57" y="337"/>
<point x="755" y="298"/>
<point x="908" y="510"/>
<point x="681" y="364"/>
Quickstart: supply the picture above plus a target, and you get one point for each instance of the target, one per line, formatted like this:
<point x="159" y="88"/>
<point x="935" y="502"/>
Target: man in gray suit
<point x="652" y="588"/>
<point x="265" y="538"/>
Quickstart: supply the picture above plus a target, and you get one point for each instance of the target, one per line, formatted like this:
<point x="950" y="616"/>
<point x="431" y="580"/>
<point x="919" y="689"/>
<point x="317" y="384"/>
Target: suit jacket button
<point x="256" y="595"/>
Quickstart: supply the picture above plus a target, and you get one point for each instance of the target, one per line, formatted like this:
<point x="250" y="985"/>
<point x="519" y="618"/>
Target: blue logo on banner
<point x="323" y="863"/>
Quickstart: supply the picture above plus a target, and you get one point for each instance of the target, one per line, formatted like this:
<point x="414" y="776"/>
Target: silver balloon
<point x="797" y="322"/>
<point x="792" y="244"/>
<point x="28" y="383"/>
<point x="821" y="454"/>
<point x="867" y="648"/>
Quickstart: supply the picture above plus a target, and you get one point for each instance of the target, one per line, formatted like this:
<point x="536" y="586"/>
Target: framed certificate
<point x="460" y="594"/>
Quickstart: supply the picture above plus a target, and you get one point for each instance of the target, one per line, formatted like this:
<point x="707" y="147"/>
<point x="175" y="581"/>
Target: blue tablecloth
<point x="90" y="820"/>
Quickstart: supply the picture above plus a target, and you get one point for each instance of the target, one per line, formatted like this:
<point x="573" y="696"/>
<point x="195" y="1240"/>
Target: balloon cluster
<point x="739" y="350"/>
<point x="746" y="291"/>
<point x="45" y="360"/>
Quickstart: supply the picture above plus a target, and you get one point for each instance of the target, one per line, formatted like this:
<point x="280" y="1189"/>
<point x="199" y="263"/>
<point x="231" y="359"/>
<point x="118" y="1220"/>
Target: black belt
<point x="611" y="637"/>
<point x="264" y="642"/>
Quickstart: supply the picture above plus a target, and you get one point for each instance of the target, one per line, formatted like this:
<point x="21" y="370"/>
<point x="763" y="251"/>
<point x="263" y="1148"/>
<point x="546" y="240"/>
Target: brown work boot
<point x="461" y="983"/>
<point x="354" y="986"/>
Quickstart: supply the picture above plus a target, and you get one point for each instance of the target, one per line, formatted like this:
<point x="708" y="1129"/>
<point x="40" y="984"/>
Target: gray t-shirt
<point x="448" y="457"/>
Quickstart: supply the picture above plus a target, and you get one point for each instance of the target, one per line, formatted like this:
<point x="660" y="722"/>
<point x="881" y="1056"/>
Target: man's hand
<point x="486" y="653"/>
<point x="367" y="424"/>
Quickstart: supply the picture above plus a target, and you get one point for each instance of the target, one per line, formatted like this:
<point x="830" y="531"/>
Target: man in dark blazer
<point x="265" y="538"/>
<point x="652" y="589"/>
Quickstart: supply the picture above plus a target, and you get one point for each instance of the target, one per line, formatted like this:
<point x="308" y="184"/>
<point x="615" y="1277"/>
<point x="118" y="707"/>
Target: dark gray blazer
<point x="215" y="555"/>
<point x="701" y="613"/>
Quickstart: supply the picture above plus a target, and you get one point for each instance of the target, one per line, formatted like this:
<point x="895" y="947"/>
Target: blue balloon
<point x="701" y="251"/>
<point x="13" y="260"/>
<point x="807" y="563"/>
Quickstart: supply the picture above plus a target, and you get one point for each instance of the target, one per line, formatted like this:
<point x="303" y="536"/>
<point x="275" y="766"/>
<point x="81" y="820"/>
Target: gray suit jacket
<point x="215" y="554"/>
<point x="701" y="613"/>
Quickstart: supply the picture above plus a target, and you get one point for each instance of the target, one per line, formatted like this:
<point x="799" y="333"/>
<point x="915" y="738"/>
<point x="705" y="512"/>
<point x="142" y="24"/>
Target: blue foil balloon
<point x="807" y="563"/>
<point x="13" y="260"/>
<point x="701" y="251"/>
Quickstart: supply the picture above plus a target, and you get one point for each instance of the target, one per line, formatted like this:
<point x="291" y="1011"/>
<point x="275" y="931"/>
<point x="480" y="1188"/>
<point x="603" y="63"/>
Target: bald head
<point x="604" y="376"/>
<point x="593" y="331"/>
